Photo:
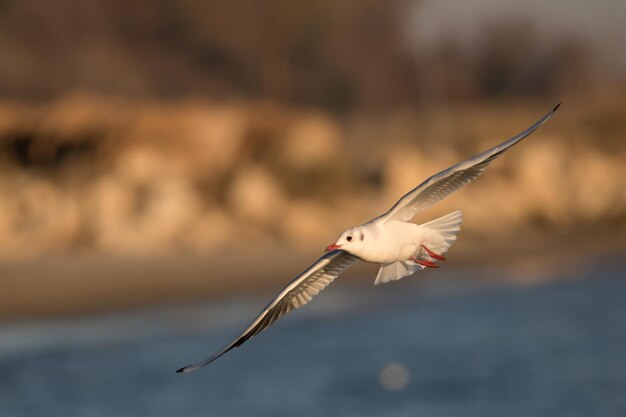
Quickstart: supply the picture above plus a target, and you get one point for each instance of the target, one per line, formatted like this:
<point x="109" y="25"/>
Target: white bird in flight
<point x="390" y="239"/>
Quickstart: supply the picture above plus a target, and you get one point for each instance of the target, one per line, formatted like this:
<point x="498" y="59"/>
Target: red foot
<point x="433" y="254"/>
<point x="425" y="263"/>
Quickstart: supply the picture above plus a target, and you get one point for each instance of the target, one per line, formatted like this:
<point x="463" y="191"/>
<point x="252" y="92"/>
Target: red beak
<point x="334" y="246"/>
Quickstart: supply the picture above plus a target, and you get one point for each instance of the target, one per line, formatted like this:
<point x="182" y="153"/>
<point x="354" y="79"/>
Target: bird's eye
<point x="349" y="238"/>
<point x="362" y="236"/>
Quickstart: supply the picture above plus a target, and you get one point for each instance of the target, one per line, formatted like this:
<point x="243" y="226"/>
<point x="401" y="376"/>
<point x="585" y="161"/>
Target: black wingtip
<point x="556" y="107"/>
<point x="181" y="370"/>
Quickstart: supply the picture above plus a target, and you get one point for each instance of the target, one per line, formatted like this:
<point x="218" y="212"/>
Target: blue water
<point x="555" y="349"/>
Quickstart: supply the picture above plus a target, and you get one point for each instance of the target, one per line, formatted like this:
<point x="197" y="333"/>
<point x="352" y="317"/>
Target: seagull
<point x="401" y="247"/>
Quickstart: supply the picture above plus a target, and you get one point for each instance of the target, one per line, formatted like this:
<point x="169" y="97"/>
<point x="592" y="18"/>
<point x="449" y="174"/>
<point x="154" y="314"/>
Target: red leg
<point x="433" y="254"/>
<point x="425" y="263"/>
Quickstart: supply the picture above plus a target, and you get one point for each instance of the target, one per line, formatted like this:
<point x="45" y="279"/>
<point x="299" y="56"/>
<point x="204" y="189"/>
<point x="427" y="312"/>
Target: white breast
<point x="391" y="242"/>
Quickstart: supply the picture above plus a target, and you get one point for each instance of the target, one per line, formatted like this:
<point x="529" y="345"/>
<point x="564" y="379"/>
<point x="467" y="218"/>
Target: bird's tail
<point x="441" y="232"/>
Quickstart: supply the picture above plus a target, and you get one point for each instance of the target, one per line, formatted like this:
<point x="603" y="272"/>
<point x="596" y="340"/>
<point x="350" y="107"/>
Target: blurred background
<point x="167" y="166"/>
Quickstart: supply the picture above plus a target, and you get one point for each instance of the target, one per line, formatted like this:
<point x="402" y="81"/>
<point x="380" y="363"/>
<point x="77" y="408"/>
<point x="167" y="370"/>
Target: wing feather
<point x="441" y="185"/>
<point x="296" y="294"/>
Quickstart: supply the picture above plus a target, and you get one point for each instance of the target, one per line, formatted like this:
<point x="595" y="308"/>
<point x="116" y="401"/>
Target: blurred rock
<point x="256" y="197"/>
<point x="36" y="217"/>
<point x="201" y="140"/>
<point x="542" y="178"/>
<point x="312" y="142"/>
<point x="600" y="193"/>
<point x="213" y="229"/>
<point x="308" y="224"/>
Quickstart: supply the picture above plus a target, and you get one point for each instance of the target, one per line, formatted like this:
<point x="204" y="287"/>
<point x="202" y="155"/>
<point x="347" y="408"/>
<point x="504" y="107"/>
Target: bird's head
<point x="352" y="240"/>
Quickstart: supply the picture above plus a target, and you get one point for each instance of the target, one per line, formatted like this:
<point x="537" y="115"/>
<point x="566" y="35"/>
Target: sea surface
<point x="441" y="345"/>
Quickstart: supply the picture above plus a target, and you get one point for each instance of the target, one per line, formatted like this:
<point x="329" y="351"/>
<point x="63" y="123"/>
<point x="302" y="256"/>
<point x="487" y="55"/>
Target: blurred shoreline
<point x="87" y="284"/>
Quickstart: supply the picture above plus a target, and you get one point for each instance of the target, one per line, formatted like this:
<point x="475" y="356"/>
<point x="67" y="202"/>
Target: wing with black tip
<point x="441" y="185"/>
<point x="296" y="294"/>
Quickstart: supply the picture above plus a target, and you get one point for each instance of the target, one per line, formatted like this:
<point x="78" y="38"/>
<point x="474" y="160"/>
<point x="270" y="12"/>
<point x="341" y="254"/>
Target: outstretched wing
<point x="296" y="294"/>
<point x="441" y="185"/>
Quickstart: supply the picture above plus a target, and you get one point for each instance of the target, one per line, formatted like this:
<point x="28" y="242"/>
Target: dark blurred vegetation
<point x="337" y="55"/>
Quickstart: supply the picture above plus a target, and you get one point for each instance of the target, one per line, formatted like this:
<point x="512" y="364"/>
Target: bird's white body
<point x="391" y="242"/>
<point x="388" y="242"/>
<point x="401" y="247"/>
